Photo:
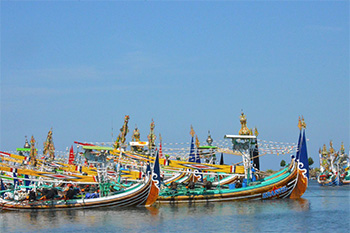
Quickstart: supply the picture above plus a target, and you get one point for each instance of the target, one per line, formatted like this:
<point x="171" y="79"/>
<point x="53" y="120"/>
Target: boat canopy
<point x="207" y="147"/>
<point x="97" y="148"/>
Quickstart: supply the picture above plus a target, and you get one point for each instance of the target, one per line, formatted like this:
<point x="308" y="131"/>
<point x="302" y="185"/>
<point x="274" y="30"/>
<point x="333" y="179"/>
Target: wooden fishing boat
<point x="139" y="194"/>
<point x="334" y="167"/>
<point x="291" y="182"/>
<point x="328" y="180"/>
<point x="345" y="178"/>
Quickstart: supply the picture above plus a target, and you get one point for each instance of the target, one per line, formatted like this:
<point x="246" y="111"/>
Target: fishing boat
<point x="345" y="177"/>
<point x="334" y="166"/>
<point x="108" y="194"/>
<point x="291" y="182"/>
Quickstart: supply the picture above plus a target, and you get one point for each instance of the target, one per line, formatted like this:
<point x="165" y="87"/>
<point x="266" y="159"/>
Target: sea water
<point x="322" y="209"/>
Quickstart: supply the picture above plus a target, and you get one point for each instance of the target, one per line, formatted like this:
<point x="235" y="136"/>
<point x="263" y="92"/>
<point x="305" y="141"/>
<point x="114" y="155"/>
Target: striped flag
<point x="160" y="150"/>
<point x="71" y="156"/>
<point x="192" y="157"/>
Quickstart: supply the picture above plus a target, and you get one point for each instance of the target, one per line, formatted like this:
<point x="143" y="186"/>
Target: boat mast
<point x="245" y="143"/>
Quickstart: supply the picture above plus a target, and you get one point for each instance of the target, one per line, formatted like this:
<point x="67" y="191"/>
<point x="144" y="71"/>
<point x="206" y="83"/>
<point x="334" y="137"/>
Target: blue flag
<point x="192" y="157"/>
<point x="148" y="169"/>
<point x="304" y="156"/>
<point x="198" y="158"/>
<point x="26" y="181"/>
<point x="156" y="171"/>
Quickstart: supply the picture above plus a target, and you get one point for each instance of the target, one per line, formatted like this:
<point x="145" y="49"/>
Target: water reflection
<point x="328" y="205"/>
<point x="135" y="218"/>
<point x="301" y="204"/>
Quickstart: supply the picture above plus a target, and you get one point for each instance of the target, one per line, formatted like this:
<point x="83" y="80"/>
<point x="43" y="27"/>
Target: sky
<point x="79" y="67"/>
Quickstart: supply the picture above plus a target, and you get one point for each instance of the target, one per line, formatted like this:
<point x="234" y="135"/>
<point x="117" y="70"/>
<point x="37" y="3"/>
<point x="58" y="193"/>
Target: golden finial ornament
<point x="151" y="137"/>
<point x="303" y="124"/>
<point x="244" y="129"/>
<point x="33" y="151"/>
<point x="300" y="126"/>
<point x="136" y="135"/>
<point x="123" y="132"/>
<point x="49" y="147"/>
<point x="324" y="150"/>
<point x="192" y="132"/>
<point x="209" y="139"/>
<point x="342" y="149"/>
<point x="197" y="142"/>
<point x="256" y="133"/>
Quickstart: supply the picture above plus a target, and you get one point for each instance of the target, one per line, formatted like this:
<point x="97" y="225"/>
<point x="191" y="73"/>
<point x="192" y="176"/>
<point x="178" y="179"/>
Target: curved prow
<point x="302" y="161"/>
<point x="155" y="188"/>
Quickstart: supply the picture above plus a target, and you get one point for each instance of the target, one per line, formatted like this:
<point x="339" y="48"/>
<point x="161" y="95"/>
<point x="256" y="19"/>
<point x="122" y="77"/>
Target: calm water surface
<point x="322" y="209"/>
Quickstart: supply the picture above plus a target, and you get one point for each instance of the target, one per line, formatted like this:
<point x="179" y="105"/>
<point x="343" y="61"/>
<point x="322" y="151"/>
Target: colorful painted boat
<point x="334" y="166"/>
<point x="291" y="182"/>
<point x="345" y="178"/>
<point x="328" y="179"/>
<point x="139" y="194"/>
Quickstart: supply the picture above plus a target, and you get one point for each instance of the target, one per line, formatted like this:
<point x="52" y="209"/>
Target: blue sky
<point x="79" y="67"/>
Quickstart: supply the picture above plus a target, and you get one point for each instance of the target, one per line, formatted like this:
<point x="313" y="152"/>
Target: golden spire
<point x="244" y="129"/>
<point x="256" y="132"/>
<point x="303" y="124"/>
<point x="151" y="136"/>
<point x="324" y="150"/>
<point x="197" y="142"/>
<point x="342" y="149"/>
<point x="192" y="132"/>
<point x="33" y="151"/>
<point x="32" y="141"/>
<point x="300" y="124"/>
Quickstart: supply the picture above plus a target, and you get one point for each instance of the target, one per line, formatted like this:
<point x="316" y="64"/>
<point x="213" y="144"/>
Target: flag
<point x="303" y="156"/>
<point x="26" y="181"/>
<point x="222" y="159"/>
<point x="156" y="171"/>
<point x="191" y="157"/>
<point x="256" y="160"/>
<point x="160" y="149"/>
<point x="148" y="169"/>
<point x="71" y="156"/>
<point x="198" y="158"/>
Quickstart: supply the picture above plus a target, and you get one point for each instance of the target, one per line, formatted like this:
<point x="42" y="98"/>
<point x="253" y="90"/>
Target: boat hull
<point x="332" y="181"/>
<point x="144" y="194"/>
<point x="281" y="186"/>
